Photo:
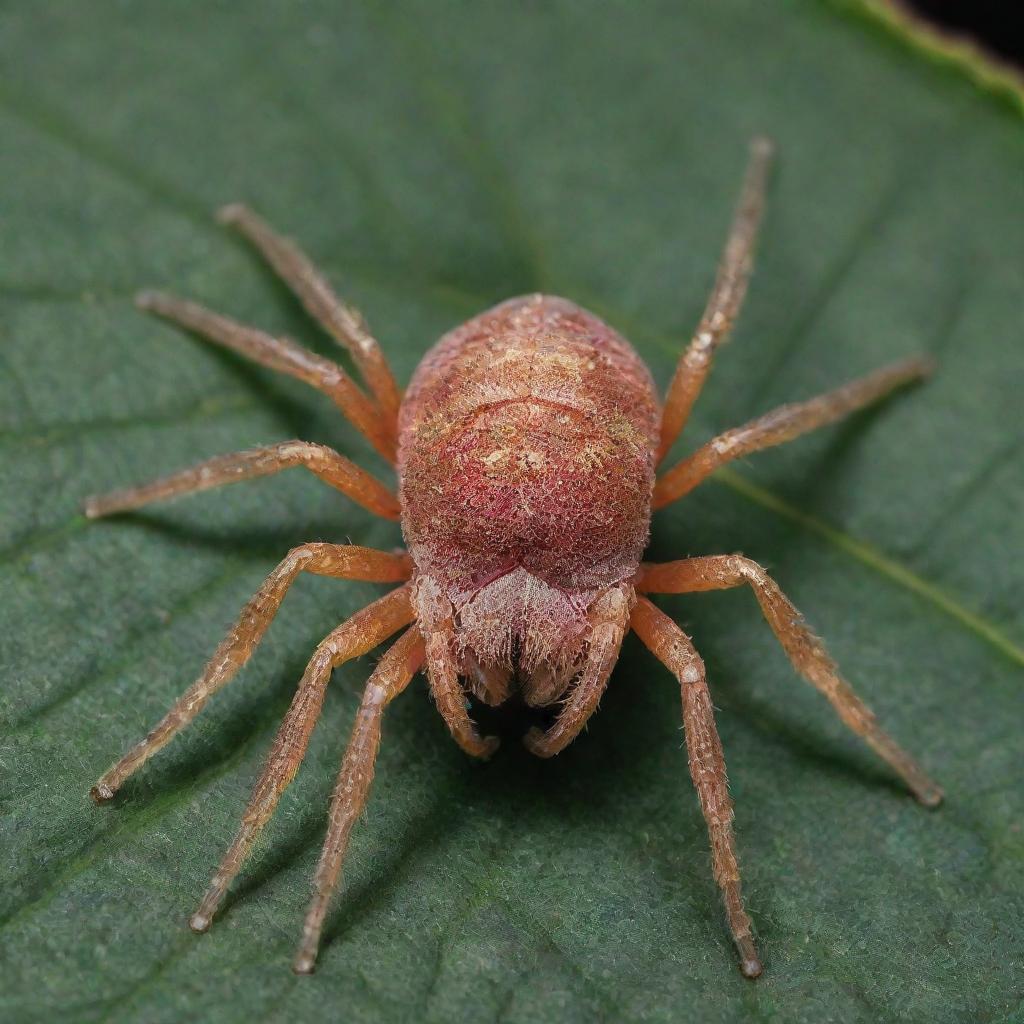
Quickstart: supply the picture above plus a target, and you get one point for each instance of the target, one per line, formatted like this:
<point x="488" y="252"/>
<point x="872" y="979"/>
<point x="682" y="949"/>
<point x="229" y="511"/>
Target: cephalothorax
<point x="526" y="449"/>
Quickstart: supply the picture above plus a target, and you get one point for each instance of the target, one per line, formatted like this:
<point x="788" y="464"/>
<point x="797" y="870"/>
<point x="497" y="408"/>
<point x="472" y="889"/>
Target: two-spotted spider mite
<point x="525" y="449"/>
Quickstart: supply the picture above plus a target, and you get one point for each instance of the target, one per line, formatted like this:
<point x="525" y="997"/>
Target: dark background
<point x="988" y="22"/>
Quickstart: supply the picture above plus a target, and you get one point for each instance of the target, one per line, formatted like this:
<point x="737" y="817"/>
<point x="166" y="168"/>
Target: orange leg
<point x="434" y="615"/>
<point x="671" y="646"/>
<point x="804" y="649"/>
<point x="342" y="562"/>
<point x="723" y="305"/>
<point x="784" y="424"/>
<point x="284" y="356"/>
<point x="340" y="320"/>
<point x="611" y="620"/>
<point x="357" y="635"/>
<point x="327" y="464"/>
<point x="393" y="673"/>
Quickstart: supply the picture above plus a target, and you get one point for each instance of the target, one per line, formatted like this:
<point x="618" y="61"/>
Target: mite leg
<point x="393" y="673"/>
<point x="784" y="424"/>
<point x="434" y="616"/>
<point x="353" y="637"/>
<point x="804" y="649"/>
<point x="327" y="464"/>
<point x="611" y="615"/>
<point x="284" y="356"/>
<point x="671" y="646"/>
<point x="724" y="302"/>
<point x="341" y="321"/>
<point x="235" y="649"/>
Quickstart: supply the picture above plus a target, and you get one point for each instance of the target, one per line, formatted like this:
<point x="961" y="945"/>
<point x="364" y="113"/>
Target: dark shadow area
<point x="270" y="545"/>
<point x="990" y="23"/>
<point x="807" y="485"/>
<point x="293" y="415"/>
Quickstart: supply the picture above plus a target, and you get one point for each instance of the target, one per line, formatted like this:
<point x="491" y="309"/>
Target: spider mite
<point x="525" y="450"/>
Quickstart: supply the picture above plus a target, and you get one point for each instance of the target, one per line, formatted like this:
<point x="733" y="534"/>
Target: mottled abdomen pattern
<point x="526" y="465"/>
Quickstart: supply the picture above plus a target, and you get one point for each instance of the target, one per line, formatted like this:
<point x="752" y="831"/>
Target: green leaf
<point x="436" y="159"/>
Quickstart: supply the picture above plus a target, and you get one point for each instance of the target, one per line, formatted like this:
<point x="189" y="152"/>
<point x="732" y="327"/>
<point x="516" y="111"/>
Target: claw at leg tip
<point x="230" y="213"/>
<point x="533" y="740"/>
<point x="199" y="923"/>
<point x="101" y="793"/>
<point x="304" y="964"/>
<point x="750" y="963"/>
<point x="752" y="968"/>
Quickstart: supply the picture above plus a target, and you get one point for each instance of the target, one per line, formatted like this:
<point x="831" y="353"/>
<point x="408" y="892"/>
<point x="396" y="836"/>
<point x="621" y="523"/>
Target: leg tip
<point x="751" y="967"/>
<point x="101" y="793"/>
<point x="199" y="923"/>
<point x="91" y="509"/>
<point x="232" y="213"/>
<point x="930" y="797"/>
<point x="147" y="300"/>
<point x="304" y="964"/>
<point x="762" y="146"/>
<point x="750" y="963"/>
<point x="535" y="741"/>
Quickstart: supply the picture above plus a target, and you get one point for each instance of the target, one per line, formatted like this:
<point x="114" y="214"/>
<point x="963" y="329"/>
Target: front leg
<point x="610" y="620"/>
<point x="673" y="648"/>
<point x="340" y="561"/>
<point x="804" y="649"/>
<point x="434" y="618"/>
<point x="391" y="676"/>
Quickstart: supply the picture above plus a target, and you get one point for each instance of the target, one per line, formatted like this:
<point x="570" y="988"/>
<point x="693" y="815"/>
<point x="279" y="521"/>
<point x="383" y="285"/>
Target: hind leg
<point x="327" y="464"/>
<point x="340" y="320"/>
<point x="284" y="356"/>
<point x="725" y="300"/>
<point x="784" y="424"/>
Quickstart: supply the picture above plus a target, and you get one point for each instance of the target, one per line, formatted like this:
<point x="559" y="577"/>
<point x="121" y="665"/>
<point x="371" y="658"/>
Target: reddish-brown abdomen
<point x="527" y="440"/>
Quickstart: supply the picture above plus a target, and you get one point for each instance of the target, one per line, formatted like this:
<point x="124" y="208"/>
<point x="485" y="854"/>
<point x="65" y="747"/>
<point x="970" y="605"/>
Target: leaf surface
<point x="435" y="159"/>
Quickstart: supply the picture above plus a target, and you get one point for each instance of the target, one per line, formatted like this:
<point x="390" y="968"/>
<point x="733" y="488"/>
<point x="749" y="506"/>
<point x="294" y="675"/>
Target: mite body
<point x="526" y="466"/>
<point x="526" y="451"/>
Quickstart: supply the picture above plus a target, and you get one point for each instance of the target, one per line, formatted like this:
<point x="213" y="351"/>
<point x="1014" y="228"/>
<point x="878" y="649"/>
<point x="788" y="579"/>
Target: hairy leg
<point x="357" y="635"/>
<point x="724" y="302"/>
<point x="340" y="320"/>
<point x="393" y="673"/>
<point x="610" y="621"/>
<point x="332" y="468"/>
<point x="784" y="424"/>
<point x="671" y="646"/>
<point x="281" y="355"/>
<point x="434" y="616"/>
<point x="804" y="649"/>
<point x="340" y="561"/>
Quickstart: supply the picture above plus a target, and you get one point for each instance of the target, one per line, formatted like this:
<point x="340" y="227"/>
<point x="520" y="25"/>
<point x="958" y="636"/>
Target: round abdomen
<point x="527" y="440"/>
